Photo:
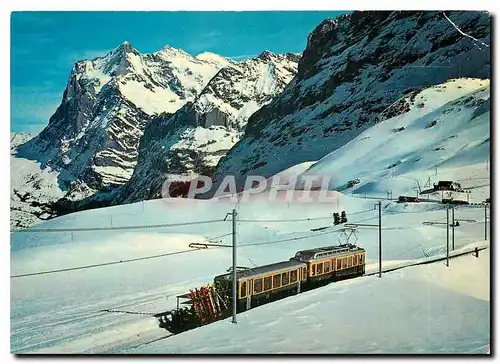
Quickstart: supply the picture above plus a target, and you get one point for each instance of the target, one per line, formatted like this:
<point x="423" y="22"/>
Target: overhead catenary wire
<point x="299" y="237"/>
<point x="116" y="262"/>
<point x="157" y="226"/>
<point x="297" y="220"/>
<point x="289" y="239"/>
<point x="191" y="250"/>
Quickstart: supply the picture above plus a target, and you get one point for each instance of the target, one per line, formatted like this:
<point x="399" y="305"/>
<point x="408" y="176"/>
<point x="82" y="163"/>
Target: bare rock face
<point x="169" y="111"/>
<point x="90" y="146"/>
<point x="93" y="136"/>
<point x="352" y="71"/>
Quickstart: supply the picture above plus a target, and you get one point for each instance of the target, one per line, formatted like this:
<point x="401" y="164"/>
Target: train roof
<point x="265" y="269"/>
<point x="326" y="251"/>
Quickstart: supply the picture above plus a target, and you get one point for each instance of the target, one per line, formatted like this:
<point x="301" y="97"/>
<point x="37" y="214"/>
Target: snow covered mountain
<point x="16" y="139"/>
<point x="94" y="311"/>
<point x="91" y="144"/>
<point x="381" y="102"/>
<point x="32" y="189"/>
<point x="442" y="128"/>
<point x="353" y="71"/>
<point x="93" y="136"/>
<point x="192" y="140"/>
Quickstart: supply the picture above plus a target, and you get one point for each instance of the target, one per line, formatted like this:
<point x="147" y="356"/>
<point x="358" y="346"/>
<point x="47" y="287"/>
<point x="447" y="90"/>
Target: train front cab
<point x="329" y="269"/>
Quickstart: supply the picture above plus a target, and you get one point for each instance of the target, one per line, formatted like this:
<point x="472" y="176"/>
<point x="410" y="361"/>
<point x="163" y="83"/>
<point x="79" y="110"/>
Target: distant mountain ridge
<point x="94" y="134"/>
<point x="128" y="120"/>
<point x="193" y="140"/>
<point x="92" y="141"/>
<point x="353" y="70"/>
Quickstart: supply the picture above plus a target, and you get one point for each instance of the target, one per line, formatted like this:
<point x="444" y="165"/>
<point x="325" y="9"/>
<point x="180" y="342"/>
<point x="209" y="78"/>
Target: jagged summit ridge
<point x="91" y="145"/>
<point x="108" y="101"/>
<point x="192" y="140"/>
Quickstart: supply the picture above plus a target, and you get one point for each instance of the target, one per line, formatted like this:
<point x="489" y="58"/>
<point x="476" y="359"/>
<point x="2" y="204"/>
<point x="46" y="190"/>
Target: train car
<point x="259" y="285"/>
<point x="308" y="269"/>
<point x="332" y="263"/>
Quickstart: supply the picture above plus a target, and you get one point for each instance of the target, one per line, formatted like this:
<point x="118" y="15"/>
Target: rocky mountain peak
<point x="277" y="57"/>
<point x="169" y="51"/>
<point x="192" y="140"/>
<point x="266" y="55"/>
<point x="94" y="134"/>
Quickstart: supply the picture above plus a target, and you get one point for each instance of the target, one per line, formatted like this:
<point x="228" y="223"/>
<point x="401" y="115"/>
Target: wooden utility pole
<point x="235" y="285"/>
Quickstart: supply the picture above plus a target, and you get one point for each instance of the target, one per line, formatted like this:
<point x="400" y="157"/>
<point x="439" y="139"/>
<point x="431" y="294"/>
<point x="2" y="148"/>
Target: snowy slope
<point x="193" y="140"/>
<point x="108" y="309"/>
<point x="92" y="140"/>
<point x="32" y="189"/>
<point x="353" y="69"/>
<point x="75" y="312"/>
<point x="429" y="309"/>
<point x="29" y="205"/>
<point x="17" y="139"/>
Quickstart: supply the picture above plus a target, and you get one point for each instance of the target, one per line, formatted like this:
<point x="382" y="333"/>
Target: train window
<point x="277" y="281"/>
<point x="268" y="283"/>
<point x="285" y="278"/>
<point x="257" y="285"/>
<point x="355" y="260"/>
<point x="243" y="289"/>
<point x="304" y="273"/>
<point x="344" y="262"/>
<point x="349" y="262"/>
<point x="319" y="268"/>
<point x="293" y="276"/>
<point x="339" y="264"/>
<point x="313" y="269"/>
<point x="327" y="267"/>
<point x="361" y="259"/>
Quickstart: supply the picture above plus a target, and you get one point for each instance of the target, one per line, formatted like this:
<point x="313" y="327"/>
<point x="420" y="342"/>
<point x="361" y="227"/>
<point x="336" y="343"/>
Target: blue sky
<point x="44" y="45"/>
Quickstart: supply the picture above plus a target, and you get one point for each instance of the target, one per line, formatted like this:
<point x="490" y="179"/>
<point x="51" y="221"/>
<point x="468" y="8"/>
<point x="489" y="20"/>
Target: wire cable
<point x="289" y="239"/>
<point x="116" y="262"/>
<point x="114" y="228"/>
<point x="296" y="220"/>
<point x="302" y="237"/>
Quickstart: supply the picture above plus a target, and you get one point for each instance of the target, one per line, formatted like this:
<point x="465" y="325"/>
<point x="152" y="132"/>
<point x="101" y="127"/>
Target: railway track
<point x="423" y="261"/>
